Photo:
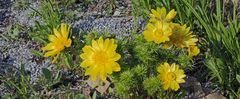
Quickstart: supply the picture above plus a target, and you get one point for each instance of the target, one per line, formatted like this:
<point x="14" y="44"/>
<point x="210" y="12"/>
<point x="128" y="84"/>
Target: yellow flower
<point x="181" y="36"/>
<point x="171" y="76"/>
<point x="193" y="51"/>
<point x="100" y="58"/>
<point x="158" y="32"/>
<point x="161" y="14"/>
<point x="58" y="42"/>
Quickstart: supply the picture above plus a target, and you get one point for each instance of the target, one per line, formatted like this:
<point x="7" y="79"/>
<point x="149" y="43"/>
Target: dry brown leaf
<point x="99" y="85"/>
<point x="94" y="83"/>
<point x="86" y="92"/>
<point x="103" y="89"/>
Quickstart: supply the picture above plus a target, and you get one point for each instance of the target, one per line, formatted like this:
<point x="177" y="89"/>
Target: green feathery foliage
<point x="152" y="85"/>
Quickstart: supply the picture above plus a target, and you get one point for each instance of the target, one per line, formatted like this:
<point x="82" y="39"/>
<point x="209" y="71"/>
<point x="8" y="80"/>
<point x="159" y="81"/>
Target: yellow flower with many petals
<point x="171" y="76"/>
<point x="181" y="37"/>
<point x="58" y="41"/>
<point x="100" y="58"/>
<point x="158" y="32"/>
<point x="161" y="15"/>
<point x="193" y="51"/>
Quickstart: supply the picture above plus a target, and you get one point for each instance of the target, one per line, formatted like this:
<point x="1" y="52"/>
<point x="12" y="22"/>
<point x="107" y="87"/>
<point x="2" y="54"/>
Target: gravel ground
<point x="13" y="54"/>
<point x="19" y="52"/>
<point x="5" y="6"/>
<point x="122" y="26"/>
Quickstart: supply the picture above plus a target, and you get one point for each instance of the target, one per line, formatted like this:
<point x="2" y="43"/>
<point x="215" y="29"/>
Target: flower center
<point x="59" y="46"/>
<point x="100" y="57"/>
<point x="171" y="76"/>
<point x="158" y="33"/>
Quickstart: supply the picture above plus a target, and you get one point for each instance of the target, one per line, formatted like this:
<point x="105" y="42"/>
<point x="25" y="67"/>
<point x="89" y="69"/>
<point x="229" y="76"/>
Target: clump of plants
<point x="145" y="65"/>
<point x="157" y="52"/>
<point x="218" y="31"/>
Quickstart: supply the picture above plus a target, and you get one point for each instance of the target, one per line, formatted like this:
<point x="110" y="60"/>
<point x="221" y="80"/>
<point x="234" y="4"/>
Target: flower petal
<point x="171" y="15"/>
<point x="95" y="45"/>
<point x="116" y="67"/>
<point x="51" y="53"/>
<point x="86" y="63"/>
<point x="68" y="43"/>
<point x="175" y="86"/>
<point x="56" y="33"/>
<point x="49" y="46"/>
<point x="162" y="12"/>
<point x="106" y="44"/>
<point x="103" y="74"/>
<point x="86" y="55"/>
<point x="87" y="49"/>
<point x="116" y="57"/>
<point x="64" y="30"/>
<point x="100" y="42"/>
<point x="155" y="13"/>
<point x="52" y="38"/>
<point x="166" y="86"/>
<point x="180" y="80"/>
<point x="93" y="72"/>
<point x="108" y="68"/>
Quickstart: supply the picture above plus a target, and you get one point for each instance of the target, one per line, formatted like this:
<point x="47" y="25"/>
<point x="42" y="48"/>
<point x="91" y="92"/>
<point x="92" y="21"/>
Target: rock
<point x="116" y="13"/>
<point x="214" y="95"/>
<point x="197" y="91"/>
<point x="195" y="88"/>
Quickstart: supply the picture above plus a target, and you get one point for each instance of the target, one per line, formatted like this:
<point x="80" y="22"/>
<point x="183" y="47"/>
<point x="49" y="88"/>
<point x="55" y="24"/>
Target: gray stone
<point x="116" y="13"/>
